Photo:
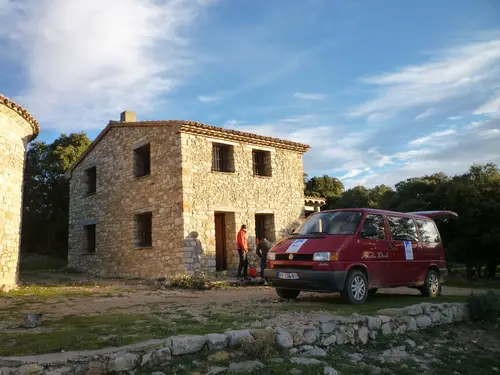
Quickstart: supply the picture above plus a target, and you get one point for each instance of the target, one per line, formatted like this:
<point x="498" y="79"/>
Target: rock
<point x="494" y="369"/>
<point x="306" y="361"/>
<point x="181" y="345"/>
<point x="295" y="371"/>
<point x="32" y="369"/>
<point x="218" y="356"/>
<point x="311" y="351"/>
<point x="349" y="335"/>
<point x="157" y="373"/>
<point x="423" y="321"/>
<point x="386" y="329"/>
<point x="32" y="320"/>
<point x="310" y="336"/>
<point x="411" y="343"/>
<point x="330" y="371"/>
<point x="395" y="355"/>
<point x="216" y="370"/>
<point x="248" y="366"/>
<point x="373" y="335"/>
<point x="293" y="351"/>
<point x="96" y="368"/>
<point x="412" y="325"/>
<point x="400" y="330"/>
<point x="327" y="327"/>
<point x="375" y="370"/>
<point x="216" y="341"/>
<point x="362" y="335"/>
<point x="276" y="360"/>
<point x="385" y="319"/>
<point x="355" y="357"/>
<point x="145" y="359"/>
<point x="8" y="370"/>
<point x="284" y="339"/>
<point x="328" y="340"/>
<point x="414" y="310"/>
<point x="124" y="362"/>
<point x="235" y="336"/>
<point x="340" y="335"/>
<point x="373" y="323"/>
<point x="392" y="312"/>
<point x="435" y="317"/>
<point x="160" y="357"/>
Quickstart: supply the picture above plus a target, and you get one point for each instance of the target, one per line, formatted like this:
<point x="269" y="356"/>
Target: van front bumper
<point x="313" y="281"/>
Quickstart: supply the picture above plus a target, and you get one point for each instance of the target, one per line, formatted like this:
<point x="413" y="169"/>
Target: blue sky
<point x="381" y="90"/>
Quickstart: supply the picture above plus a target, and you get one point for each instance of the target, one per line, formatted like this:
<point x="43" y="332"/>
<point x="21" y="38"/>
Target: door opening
<point x="220" y="242"/>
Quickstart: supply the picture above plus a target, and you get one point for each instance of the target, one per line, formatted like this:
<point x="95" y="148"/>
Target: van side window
<point x="402" y="228"/>
<point x="428" y="231"/>
<point x="371" y="223"/>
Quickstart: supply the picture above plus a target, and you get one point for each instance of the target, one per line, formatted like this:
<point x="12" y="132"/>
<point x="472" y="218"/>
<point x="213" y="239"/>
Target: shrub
<point x="484" y="307"/>
<point x="260" y="347"/>
<point x="198" y="281"/>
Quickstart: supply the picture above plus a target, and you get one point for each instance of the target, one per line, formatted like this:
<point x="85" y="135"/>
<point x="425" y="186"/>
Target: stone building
<point x="152" y="198"/>
<point x="17" y="128"/>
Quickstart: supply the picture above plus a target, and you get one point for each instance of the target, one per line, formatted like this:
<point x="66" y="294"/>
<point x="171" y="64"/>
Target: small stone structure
<point x="143" y="188"/>
<point x="300" y="341"/>
<point x="17" y="128"/>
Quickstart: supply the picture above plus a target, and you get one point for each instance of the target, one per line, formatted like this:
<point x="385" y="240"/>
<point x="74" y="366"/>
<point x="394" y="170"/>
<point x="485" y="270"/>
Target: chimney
<point x="127" y="116"/>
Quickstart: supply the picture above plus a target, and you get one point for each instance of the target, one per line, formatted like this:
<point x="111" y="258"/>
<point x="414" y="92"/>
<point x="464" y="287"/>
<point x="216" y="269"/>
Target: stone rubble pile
<point x="302" y="343"/>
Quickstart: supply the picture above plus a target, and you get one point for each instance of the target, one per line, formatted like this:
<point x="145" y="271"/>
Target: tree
<point x="46" y="194"/>
<point x="357" y="197"/>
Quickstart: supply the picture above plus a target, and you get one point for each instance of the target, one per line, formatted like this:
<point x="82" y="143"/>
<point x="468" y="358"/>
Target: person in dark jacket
<point x="263" y="247"/>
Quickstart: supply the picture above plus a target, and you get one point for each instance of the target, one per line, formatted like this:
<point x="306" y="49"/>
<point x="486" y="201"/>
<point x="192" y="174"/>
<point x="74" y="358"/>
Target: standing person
<point x="263" y="246"/>
<point x="242" y="242"/>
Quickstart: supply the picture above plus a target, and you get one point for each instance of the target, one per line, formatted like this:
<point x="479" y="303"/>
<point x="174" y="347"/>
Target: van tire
<point x="287" y="293"/>
<point x="432" y="284"/>
<point x="356" y="288"/>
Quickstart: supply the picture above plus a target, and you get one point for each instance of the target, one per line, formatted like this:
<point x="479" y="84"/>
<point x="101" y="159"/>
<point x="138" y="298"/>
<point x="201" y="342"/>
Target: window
<point x="90" y="238"/>
<point x="334" y="223"/>
<point x="375" y="222"/>
<point x="144" y="230"/>
<point x="222" y="158"/>
<point x="261" y="163"/>
<point x="402" y="228"/>
<point x="91" y="180"/>
<point x="142" y="161"/>
<point x="264" y="226"/>
<point x="428" y="231"/>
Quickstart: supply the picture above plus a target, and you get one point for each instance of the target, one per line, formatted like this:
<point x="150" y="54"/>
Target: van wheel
<point x="287" y="293"/>
<point x="432" y="285"/>
<point x="356" y="288"/>
<point x="372" y="292"/>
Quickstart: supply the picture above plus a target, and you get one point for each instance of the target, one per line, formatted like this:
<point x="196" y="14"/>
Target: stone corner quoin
<point x="17" y="129"/>
<point x="301" y="341"/>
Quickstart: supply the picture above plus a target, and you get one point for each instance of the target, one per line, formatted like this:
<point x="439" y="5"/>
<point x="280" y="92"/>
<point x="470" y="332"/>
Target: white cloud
<point x="454" y="118"/>
<point x="457" y="72"/>
<point x="87" y="60"/>
<point x="431" y="137"/>
<point x="207" y="99"/>
<point x="309" y="96"/>
<point x="492" y="107"/>
<point x="425" y="114"/>
<point x="489" y="133"/>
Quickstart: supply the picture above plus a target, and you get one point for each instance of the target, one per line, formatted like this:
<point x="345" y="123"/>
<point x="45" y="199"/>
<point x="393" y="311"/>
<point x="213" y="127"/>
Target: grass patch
<point x="48" y="264"/>
<point x="45" y="291"/>
<point x="460" y="280"/>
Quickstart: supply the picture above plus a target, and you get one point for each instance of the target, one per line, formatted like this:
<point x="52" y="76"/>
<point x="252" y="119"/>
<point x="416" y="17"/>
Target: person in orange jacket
<point x="242" y="243"/>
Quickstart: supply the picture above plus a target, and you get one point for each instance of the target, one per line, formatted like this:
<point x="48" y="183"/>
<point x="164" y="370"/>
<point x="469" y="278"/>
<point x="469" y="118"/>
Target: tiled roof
<point x="192" y="127"/>
<point x="23" y="113"/>
<point x="320" y="200"/>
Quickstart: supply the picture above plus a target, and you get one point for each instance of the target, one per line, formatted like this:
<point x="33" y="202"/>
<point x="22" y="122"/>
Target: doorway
<point x="264" y="226"/>
<point x="220" y="242"/>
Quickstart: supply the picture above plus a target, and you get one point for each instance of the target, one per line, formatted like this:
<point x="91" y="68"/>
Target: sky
<point x="380" y="90"/>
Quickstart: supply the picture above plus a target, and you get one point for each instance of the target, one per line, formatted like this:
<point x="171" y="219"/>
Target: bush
<point x="198" y="281"/>
<point x="259" y="346"/>
<point x="484" y="307"/>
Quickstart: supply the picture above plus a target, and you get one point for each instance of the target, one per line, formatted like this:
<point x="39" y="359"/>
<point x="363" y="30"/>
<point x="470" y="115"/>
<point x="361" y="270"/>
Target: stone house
<point x="17" y="128"/>
<point x="152" y="198"/>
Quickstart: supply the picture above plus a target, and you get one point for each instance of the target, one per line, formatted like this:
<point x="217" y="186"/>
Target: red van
<point x="356" y="251"/>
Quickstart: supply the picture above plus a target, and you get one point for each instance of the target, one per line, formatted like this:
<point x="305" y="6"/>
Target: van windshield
<point x="334" y="223"/>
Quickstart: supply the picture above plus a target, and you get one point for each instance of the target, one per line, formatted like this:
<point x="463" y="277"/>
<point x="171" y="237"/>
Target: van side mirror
<point x="370" y="231"/>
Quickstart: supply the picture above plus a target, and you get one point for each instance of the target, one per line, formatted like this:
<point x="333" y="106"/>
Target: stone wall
<point x="15" y="132"/>
<point x="120" y="196"/>
<point x="298" y="341"/>
<point x="239" y="195"/>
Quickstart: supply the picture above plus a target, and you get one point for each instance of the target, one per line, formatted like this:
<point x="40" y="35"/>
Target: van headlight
<point x="271" y="255"/>
<point x="321" y="257"/>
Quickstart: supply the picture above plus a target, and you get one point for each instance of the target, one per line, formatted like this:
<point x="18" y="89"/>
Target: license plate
<point x="288" y="276"/>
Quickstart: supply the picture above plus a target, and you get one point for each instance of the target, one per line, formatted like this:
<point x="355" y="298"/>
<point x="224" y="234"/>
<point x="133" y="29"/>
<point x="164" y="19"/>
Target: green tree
<point x="356" y="197"/>
<point x="46" y="194"/>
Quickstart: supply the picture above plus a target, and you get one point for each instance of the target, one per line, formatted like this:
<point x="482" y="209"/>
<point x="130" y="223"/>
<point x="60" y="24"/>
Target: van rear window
<point x="333" y="223"/>
<point x="428" y="231"/>
<point x="402" y="228"/>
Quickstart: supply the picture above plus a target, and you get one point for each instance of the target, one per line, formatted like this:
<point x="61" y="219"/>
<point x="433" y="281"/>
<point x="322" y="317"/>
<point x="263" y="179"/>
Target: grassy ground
<point x="452" y="350"/>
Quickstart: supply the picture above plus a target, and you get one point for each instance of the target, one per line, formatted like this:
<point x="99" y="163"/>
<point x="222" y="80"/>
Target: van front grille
<point x="299" y="257"/>
<point x="292" y="267"/>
